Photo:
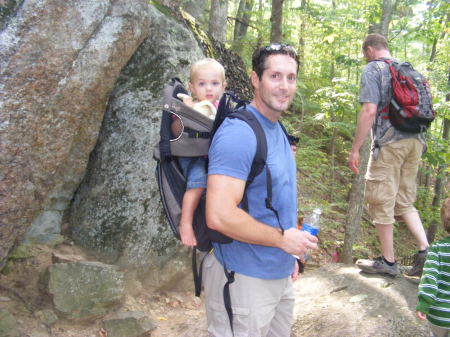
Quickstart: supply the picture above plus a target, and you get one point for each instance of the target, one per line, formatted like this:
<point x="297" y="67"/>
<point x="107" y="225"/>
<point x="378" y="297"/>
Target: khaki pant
<point x="390" y="188"/>
<point x="260" y="307"/>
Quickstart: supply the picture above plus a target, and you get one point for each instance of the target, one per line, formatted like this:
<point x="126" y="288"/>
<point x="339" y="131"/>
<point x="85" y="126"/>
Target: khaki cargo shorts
<point x="390" y="188"/>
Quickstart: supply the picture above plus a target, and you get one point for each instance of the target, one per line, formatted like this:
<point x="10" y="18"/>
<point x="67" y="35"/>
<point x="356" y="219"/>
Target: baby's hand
<point x="421" y="315"/>
<point x="188" y="100"/>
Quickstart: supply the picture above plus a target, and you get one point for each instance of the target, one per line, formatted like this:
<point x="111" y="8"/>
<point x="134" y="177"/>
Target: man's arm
<point x="365" y="122"/>
<point x="223" y="196"/>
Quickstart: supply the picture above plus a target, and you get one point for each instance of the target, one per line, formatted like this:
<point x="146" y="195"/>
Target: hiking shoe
<point x="419" y="261"/>
<point x="377" y="266"/>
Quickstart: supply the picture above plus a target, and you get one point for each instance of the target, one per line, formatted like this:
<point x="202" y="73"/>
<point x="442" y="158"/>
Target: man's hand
<point x="353" y="161"/>
<point x="296" y="242"/>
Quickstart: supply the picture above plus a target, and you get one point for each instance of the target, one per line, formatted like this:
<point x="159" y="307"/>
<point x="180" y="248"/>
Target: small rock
<point x="128" y="324"/>
<point x="4" y="299"/>
<point x="8" y="325"/>
<point x="48" y="317"/>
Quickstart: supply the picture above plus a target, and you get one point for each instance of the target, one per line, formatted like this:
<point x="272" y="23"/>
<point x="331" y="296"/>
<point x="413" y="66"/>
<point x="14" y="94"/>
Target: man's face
<point x="278" y="83"/>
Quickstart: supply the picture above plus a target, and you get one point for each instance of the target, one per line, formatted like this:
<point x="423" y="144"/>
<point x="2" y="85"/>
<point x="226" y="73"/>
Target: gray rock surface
<point x="59" y="61"/>
<point x="83" y="291"/>
<point x="8" y="324"/>
<point x="129" y="324"/>
<point x="117" y="211"/>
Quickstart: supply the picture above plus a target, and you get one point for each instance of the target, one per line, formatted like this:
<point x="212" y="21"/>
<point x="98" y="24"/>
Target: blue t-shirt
<point x="231" y="154"/>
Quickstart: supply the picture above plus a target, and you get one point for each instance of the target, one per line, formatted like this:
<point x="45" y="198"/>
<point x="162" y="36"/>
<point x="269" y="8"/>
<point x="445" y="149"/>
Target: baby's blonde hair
<point x="204" y="63"/>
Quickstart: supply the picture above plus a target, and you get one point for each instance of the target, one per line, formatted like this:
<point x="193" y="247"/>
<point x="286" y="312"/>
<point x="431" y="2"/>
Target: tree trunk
<point x="355" y="205"/>
<point x="242" y="22"/>
<point x="301" y="42"/>
<point x="260" y="37"/>
<point x="218" y="20"/>
<point x="276" y="20"/>
<point x="386" y="17"/>
<point x="440" y="177"/>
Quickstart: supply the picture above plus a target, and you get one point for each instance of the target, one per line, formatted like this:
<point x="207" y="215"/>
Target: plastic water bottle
<point x="311" y="224"/>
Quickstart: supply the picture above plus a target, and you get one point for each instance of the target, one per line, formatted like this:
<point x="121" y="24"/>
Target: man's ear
<point x="255" y="79"/>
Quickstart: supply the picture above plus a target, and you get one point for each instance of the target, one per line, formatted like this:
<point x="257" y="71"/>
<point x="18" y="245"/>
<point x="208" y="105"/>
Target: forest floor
<point x="332" y="300"/>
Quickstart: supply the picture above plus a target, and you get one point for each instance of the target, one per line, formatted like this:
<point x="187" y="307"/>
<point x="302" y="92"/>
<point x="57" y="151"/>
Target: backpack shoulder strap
<point x="259" y="161"/>
<point x="293" y="140"/>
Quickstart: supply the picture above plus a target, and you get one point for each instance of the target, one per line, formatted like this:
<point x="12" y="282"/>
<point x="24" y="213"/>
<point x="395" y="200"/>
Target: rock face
<point x="84" y="291"/>
<point x="129" y="324"/>
<point x="117" y="211"/>
<point x="58" y="64"/>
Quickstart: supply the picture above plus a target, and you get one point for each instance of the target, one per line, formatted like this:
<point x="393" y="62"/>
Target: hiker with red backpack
<point x="257" y="268"/>
<point x="396" y="106"/>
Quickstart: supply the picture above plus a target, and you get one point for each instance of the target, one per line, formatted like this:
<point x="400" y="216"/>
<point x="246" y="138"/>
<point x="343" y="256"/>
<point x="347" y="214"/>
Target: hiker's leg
<point x="404" y="206"/>
<point x="214" y="281"/>
<point x="283" y="320"/>
<point x="254" y="302"/>
<point x="414" y="224"/>
<point x="386" y="238"/>
<point x="382" y="181"/>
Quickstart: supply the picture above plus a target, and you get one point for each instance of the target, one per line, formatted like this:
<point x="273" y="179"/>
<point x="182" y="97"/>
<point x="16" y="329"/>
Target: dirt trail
<point x="334" y="300"/>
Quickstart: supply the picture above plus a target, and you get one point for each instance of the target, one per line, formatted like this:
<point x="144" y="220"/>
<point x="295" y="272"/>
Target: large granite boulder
<point x="59" y="61"/>
<point x="117" y="211"/>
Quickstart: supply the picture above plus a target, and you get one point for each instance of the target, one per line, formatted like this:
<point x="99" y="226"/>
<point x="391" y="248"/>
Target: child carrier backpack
<point x="194" y="140"/>
<point x="411" y="106"/>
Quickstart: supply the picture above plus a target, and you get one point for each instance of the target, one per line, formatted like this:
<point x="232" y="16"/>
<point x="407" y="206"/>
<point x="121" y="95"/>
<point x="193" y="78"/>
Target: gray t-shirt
<point x="375" y="87"/>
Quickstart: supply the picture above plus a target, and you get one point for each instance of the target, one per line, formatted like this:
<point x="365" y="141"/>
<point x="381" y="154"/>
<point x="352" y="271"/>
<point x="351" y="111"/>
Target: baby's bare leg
<point x="190" y="202"/>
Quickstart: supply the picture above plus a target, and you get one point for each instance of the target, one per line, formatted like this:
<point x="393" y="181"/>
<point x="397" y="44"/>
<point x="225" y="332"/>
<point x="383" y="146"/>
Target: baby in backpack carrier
<point x="206" y="83"/>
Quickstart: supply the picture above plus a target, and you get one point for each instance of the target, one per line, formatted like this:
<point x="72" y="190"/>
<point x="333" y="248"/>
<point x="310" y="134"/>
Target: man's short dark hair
<point x="260" y="56"/>
<point x="376" y="41"/>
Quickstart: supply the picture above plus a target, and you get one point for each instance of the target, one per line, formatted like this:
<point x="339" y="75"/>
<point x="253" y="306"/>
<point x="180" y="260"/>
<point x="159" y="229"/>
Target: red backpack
<point x="411" y="106"/>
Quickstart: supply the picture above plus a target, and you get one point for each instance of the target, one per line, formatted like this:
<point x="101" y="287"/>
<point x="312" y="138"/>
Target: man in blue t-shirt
<point x="262" y="296"/>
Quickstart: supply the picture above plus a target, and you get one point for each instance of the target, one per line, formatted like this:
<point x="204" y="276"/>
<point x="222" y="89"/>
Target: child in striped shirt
<point x="434" y="288"/>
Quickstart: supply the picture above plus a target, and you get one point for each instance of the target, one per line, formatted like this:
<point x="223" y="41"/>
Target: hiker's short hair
<point x="376" y="41"/>
<point x="206" y="62"/>
<point x="260" y="56"/>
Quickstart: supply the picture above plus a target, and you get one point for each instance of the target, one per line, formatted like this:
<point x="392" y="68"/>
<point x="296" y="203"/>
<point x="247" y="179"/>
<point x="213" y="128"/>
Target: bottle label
<point x="309" y="229"/>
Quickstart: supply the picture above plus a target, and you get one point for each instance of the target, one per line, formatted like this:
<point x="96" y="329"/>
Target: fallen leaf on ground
<point x="358" y="298"/>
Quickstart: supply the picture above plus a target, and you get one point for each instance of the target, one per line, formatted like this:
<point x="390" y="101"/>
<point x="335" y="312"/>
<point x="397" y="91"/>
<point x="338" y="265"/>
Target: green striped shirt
<point x="434" y="287"/>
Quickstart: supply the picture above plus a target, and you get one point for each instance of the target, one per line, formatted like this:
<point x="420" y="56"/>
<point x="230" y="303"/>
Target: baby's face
<point x="207" y="84"/>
